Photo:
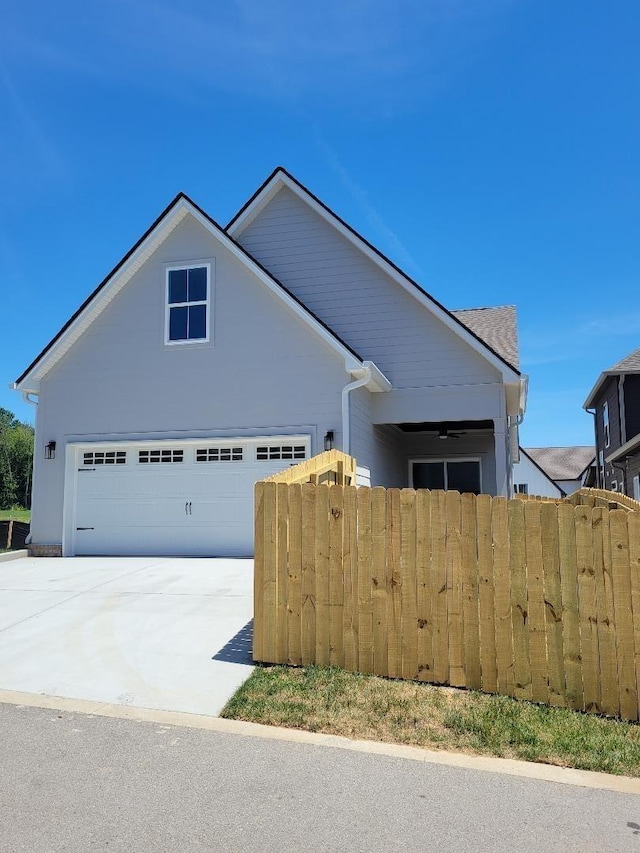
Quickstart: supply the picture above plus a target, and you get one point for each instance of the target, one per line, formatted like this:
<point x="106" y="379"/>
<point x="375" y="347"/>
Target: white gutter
<point x="346" y="426"/>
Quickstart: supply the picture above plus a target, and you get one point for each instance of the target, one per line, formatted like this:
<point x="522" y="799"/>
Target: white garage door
<point x="173" y="498"/>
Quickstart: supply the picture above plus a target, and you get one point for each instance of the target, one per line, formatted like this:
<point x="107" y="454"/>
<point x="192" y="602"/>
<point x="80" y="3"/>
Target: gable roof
<point x="496" y="326"/>
<point x="629" y="364"/>
<point x="562" y="463"/>
<point x="281" y="177"/>
<point x="124" y="270"/>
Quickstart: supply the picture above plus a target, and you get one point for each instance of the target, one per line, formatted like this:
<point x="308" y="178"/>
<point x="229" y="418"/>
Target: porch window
<point x="462" y="475"/>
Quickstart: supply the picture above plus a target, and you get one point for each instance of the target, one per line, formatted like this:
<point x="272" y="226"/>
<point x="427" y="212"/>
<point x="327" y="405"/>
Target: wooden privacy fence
<point x="13" y="534"/>
<point x="537" y="600"/>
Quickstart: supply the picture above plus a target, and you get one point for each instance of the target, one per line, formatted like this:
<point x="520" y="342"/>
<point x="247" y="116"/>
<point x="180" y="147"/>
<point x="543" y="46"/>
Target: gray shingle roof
<point x="631" y="362"/>
<point x="497" y="327"/>
<point x="562" y="463"/>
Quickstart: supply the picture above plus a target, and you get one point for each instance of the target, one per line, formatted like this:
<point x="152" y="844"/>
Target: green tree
<point x="16" y="460"/>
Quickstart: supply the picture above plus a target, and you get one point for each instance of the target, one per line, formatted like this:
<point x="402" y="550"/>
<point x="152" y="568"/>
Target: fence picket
<point x="552" y="603"/>
<point x="633" y="527"/>
<point x="365" y="605"/>
<point x="394" y="585"/>
<point x="453" y="561"/>
<point x="336" y="576"/>
<point x="588" y="610"/>
<point x="282" y="573"/>
<point x="269" y="574"/>
<point x="439" y="587"/>
<point x="258" y="575"/>
<point x="379" y="579"/>
<point x="502" y="596"/>
<point x="350" y="609"/>
<point x="570" y="612"/>
<point x="486" y="596"/>
<point x="424" y="592"/>
<point x="308" y="610"/>
<point x="409" y="628"/>
<point x="472" y="671"/>
<point x="519" y="603"/>
<point x="294" y="570"/>
<point x="609" y="701"/>
<point x="621" y="582"/>
<point x="535" y="587"/>
<point x="323" y="613"/>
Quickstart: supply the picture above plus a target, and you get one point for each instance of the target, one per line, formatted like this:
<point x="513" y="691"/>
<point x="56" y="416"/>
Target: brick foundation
<point x="45" y="550"/>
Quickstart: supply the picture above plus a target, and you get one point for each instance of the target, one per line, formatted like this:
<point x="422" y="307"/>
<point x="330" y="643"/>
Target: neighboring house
<point x="565" y="469"/>
<point x="210" y="358"/>
<point x="530" y="479"/>
<point x="615" y="403"/>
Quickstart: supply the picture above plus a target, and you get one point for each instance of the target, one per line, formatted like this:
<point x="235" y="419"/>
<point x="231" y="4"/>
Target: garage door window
<point x="281" y="451"/>
<point x="104" y="457"/>
<point x="150" y="456"/>
<point x="219" y="454"/>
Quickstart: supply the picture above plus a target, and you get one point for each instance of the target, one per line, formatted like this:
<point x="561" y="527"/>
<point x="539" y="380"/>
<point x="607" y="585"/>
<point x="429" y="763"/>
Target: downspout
<point x="346" y="421"/>
<point x="595" y="437"/>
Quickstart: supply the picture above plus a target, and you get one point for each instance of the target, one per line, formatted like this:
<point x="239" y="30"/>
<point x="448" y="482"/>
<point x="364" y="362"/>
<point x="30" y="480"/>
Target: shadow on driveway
<point x="238" y="649"/>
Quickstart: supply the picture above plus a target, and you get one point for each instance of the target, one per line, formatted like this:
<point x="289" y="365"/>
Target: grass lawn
<point x="15" y="514"/>
<point x="371" y="708"/>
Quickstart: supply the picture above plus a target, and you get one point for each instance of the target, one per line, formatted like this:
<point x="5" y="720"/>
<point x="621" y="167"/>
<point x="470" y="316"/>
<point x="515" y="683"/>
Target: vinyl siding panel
<point x="265" y="372"/>
<point x="363" y="305"/>
<point x="378" y="448"/>
<point x="609" y="394"/>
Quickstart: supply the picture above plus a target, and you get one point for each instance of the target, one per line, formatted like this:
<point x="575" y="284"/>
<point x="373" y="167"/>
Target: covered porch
<point x="465" y="456"/>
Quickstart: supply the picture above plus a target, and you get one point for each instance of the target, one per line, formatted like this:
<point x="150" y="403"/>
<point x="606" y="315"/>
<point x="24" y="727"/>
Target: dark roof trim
<point x="137" y="245"/>
<point x="542" y="471"/>
<point x="382" y="256"/>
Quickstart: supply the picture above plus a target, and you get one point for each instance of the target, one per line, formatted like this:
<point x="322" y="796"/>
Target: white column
<point x="500" y="439"/>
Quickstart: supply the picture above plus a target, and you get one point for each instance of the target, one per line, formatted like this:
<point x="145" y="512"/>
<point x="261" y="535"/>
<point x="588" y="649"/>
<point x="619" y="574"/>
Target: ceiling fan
<point x="444" y="434"/>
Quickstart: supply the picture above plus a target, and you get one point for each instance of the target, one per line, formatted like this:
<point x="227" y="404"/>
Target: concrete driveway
<point x="164" y="633"/>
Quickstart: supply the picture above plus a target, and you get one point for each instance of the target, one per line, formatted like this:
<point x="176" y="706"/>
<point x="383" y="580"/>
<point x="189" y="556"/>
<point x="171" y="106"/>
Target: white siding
<point x="526" y="472"/>
<point x="264" y="373"/>
<point x="364" y="306"/>
<point x="378" y="448"/>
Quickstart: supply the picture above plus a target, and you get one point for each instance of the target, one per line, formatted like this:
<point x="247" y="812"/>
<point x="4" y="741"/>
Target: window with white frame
<point x="636" y="487"/>
<point x="188" y="304"/>
<point x="521" y="488"/>
<point x="605" y="425"/>
<point x="601" y="466"/>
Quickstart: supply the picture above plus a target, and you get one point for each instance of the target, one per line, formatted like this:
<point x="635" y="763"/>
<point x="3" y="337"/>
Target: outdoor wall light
<point x="50" y="450"/>
<point x="328" y="440"/>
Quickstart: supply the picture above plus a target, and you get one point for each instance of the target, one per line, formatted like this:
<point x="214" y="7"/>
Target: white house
<point x="210" y="357"/>
<point x="554" y="471"/>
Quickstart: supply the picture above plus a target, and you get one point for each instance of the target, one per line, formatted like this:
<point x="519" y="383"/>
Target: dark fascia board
<point x="180" y="196"/>
<point x="601" y="381"/>
<point x="369" y="245"/>
<point x="542" y="471"/>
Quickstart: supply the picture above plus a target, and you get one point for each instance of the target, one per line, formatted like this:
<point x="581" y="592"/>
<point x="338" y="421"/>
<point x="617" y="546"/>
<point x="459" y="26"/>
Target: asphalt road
<point x="77" y="783"/>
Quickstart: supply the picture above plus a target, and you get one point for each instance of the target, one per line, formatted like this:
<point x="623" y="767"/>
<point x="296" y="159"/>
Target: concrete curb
<point x="13" y="555"/>
<point x="507" y="766"/>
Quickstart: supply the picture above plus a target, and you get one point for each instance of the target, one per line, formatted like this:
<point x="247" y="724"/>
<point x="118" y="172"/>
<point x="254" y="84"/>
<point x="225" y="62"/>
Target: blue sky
<point x="489" y="147"/>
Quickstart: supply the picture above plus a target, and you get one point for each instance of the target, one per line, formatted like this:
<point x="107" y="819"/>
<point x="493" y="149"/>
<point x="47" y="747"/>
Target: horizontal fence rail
<point x="536" y="600"/>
